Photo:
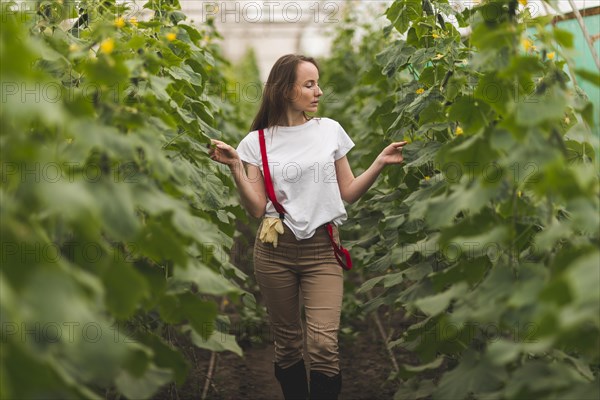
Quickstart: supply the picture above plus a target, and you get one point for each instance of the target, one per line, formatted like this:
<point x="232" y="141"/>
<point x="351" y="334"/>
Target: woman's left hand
<point x="392" y="154"/>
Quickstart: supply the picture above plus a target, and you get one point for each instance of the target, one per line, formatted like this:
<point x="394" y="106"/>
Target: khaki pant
<point x="302" y="267"/>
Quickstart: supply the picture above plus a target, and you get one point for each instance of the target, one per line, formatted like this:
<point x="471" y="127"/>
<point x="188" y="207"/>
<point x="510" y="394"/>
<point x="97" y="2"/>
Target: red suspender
<point x="339" y="251"/>
<point x="342" y="255"/>
<point x="267" y="172"/>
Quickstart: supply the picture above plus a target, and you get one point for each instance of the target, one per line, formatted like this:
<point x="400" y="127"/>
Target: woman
<point x="311" y="177"/>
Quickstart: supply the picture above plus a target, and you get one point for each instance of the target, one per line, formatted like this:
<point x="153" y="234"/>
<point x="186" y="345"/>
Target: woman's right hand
<point x="252" y="191"/>
<point x="223" y="153"/>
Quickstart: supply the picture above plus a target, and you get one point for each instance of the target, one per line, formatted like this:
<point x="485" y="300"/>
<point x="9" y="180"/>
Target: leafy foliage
<point x="487" y="239"/>
<point x="115" y="224"/>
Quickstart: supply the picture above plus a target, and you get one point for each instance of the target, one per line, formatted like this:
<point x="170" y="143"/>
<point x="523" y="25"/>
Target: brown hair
<point x="280" y="83"/>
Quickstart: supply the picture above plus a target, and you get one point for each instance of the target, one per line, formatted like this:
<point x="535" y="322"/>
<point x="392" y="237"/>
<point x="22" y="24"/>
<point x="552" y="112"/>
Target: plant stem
<point x="586" y="34"/>
<point x="384" y="336"/>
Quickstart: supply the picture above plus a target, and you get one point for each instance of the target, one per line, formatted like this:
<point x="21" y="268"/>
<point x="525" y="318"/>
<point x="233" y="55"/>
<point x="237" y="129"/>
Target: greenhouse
<point x="300" y="199"/>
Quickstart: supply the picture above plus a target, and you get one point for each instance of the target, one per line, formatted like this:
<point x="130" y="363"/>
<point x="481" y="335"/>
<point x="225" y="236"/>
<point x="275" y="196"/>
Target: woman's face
<point x="306" y="92"/>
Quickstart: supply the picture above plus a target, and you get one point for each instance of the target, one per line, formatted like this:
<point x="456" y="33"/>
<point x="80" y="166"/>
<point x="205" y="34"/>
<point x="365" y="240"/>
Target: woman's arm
<point x="250" y="184"/>
<point x="352" y="188"/>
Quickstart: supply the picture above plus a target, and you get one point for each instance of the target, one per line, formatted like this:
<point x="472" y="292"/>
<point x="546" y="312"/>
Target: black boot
<point x="323" y="387"/>
<point x="293" y="381"/>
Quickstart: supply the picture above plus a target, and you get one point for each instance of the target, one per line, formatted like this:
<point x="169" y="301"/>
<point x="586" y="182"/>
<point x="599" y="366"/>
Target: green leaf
<point x="492" y="35"/>
<point x="402" y="254"/>
<point x="415" y="389"/>
<point x="521" y="68"/>
<point x="472" y="376"/>
<point x="207" y="281"/>
<point x="563" y="37"/>
<point x="545" y="240"/>
<point x="187" y="74"/>
<point x="421" y="57"/>
<point x="536" y="109"/>
<point x="580" y="365"/>
<point x="108" y="73"/>
<point x="504" y="351"/>
<point x="381" y="263"/>
<point x="192" y="32"/>
<point x="177" y="16"/>
<point x="144" y="386"/>
<point x="159" y="241"/>
<point x="218" y="341"/>
<point x="587" y="75"/>
<point x="537" y="377"/>
<point x="50" y="375"/>
<point x="394" y="57"/>
<point x="165" y="356"/>
<point x="470" y="113"/>
<point x="125" y="288"/>
<point x="441" y="210"/>
<point x="468" y="269"/>
<point x="407" y="371"/>
<point x="370" y="284"/>
<point x="579" y="152"/>
<point x="400" y="13"/>
<point x="187" y="306"/>
<point x="158" y="86"/>
<point x="488" y="301"/>
<point x="437" y="303"/>
<point x="583" y="277"/>
<point x="495" y="91"/>
<point x="426" y="154"/>
<point x="117" y="209"/>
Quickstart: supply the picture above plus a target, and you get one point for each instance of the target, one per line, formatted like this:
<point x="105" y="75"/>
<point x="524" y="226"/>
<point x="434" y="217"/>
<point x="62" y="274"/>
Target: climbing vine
<point x="116" y="226"/>
<point x="486" y="241"/>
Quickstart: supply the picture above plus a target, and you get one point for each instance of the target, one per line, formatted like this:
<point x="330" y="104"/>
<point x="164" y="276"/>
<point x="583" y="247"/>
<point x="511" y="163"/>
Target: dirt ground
<point x="364" y="362"/>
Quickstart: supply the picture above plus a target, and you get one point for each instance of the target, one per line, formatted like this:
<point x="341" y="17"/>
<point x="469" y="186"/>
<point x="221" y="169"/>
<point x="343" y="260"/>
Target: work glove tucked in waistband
<point x="272" y="227"/>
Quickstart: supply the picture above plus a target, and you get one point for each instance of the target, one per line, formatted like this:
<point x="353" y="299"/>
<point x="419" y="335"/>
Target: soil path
<point x="364" y="362"/>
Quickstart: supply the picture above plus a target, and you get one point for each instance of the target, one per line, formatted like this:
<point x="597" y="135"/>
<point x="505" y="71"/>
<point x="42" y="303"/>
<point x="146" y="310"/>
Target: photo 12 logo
<point x="269" y="11"/>
<point x="47" y="332"/>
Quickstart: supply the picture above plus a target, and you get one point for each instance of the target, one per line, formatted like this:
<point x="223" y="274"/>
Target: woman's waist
<point x="303" y="234"/>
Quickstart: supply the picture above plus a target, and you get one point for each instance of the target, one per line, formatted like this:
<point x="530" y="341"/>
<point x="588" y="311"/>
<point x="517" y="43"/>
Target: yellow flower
<point x="438" y="56"/>
<point x="435" y="36"/>
<point x="107" y="46"/>
<point x="73" y="47"/>
<point x="551" y="55"/>
<point x="459" y="131"/>
<point x="527" y="44"/>
<point x="567" y="120"/>
<point x="69" y="140"/>
<point x="427" y="177"/>
<point x="119" y="22"/>
<point x="519" y="193"/>
<point x="523" y="2"/>
<point x="420" y="90"/>
<point x="133" y="21"/>
<point x="171" y="36"/>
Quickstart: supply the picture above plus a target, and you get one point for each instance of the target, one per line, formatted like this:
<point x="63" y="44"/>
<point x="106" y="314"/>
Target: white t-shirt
<point x="301" y="161"/>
